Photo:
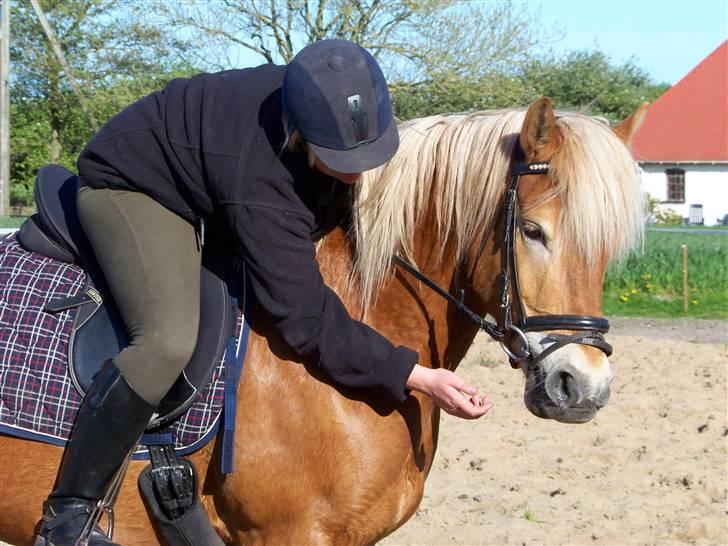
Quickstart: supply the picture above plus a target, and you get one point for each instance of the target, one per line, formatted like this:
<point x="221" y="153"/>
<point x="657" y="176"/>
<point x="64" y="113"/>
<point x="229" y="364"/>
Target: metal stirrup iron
<point x="105" y="505"/>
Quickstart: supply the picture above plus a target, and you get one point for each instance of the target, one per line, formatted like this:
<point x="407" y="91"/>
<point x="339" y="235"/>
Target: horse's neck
<point x="406" y="311"/>
<point x="403" y="441"/>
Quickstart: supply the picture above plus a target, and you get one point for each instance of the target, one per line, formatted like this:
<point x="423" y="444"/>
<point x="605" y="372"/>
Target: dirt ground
<point x="651" y="468"/>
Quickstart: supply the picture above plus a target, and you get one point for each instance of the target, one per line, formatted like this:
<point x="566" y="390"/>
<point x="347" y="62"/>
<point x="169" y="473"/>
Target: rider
<point x="214" y="148"/>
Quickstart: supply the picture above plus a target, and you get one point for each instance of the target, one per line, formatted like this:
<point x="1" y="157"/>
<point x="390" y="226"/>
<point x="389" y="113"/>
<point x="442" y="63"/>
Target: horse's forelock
<point x="461" y="162"/>
<point x="599" y="183"/>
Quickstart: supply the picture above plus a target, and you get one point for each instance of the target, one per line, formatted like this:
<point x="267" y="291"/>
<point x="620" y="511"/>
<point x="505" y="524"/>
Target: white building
<point x="682" y="145"/>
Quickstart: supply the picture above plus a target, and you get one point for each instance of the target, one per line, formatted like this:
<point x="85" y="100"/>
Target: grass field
<point x="650" y="283"/>
<point x="11" y="222"/>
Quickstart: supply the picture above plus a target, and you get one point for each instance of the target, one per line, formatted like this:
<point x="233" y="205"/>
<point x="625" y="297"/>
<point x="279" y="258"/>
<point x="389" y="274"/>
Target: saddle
<point x="98" y="331"/>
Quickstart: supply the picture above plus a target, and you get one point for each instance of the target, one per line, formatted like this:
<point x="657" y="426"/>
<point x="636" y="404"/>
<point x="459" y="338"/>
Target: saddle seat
<point x="99" y="332"/>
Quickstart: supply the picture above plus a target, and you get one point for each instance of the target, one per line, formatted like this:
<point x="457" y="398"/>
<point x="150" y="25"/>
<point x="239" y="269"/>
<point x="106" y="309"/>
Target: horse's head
<point x="443" y="204"/>
<point x="581" y="209"/>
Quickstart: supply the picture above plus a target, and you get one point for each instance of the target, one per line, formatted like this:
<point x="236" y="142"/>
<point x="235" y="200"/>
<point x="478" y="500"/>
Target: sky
<point x="666" y="38"/>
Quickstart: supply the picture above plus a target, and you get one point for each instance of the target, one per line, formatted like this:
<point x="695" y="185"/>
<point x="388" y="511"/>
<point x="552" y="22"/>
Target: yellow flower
<point x="695" y="302"/>
<point x="624" y="298"/>
<point x="633" y="291"/>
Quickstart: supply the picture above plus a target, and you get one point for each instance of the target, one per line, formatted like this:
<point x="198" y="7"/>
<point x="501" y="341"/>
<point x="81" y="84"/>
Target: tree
<point x="584" y="81"/>
<point x="438" y="55"/>
<point x="116" y="56"/>
<point x="588" y="81"/>
<point x="453" y="93"/>
<point x="414" y="40"/>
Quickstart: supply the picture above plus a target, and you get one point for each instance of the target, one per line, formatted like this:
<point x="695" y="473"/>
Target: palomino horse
<point x="321" y="465"/>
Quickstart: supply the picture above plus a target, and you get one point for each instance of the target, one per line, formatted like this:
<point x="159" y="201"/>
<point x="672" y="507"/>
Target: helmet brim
<point x="362" y="158"/>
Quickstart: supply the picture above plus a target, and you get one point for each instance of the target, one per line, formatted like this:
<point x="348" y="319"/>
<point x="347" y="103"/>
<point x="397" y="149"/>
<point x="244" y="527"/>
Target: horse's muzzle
<point x="563" y="394"/>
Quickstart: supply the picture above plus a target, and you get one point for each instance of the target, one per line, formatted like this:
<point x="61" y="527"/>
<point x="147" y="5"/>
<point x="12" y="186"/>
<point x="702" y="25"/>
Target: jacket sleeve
<point x="282" y="268"/>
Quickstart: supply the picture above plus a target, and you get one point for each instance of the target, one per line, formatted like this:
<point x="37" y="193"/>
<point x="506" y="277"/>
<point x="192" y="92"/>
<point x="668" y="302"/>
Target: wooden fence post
<point x="685" y="276"/>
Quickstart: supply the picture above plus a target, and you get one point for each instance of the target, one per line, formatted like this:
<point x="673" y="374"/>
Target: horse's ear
<point x="538" y="135"/>
<point x="626" y="129"/>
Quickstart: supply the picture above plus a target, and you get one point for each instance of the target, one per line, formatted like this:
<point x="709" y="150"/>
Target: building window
<point x="675" y="185"/>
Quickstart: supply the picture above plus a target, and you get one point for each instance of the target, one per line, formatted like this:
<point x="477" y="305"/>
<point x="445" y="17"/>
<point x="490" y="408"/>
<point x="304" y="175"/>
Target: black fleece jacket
<point x="211" y="147"/>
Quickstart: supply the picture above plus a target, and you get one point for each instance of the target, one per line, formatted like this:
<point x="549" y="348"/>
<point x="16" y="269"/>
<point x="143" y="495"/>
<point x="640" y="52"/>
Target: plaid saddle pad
<point x="37" y="397"/>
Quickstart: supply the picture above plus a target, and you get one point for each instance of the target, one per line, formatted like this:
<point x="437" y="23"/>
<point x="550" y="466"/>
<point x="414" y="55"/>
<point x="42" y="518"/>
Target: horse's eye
<point x="533" y="231"/>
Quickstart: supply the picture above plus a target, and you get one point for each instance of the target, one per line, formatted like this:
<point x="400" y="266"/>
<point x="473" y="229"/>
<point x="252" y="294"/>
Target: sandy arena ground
<point x="651" y="468"/>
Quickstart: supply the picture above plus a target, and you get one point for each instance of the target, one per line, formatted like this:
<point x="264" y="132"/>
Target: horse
<point x="319" y="464"/>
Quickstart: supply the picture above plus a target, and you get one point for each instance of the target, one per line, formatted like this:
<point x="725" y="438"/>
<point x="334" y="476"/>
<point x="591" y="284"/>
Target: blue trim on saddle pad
<point x="233" y="371"/>
<point x="154" y="439"/>
<point x="25" y="434"/>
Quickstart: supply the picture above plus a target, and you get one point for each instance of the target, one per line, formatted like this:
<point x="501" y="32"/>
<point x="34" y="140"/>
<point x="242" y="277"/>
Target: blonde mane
<point x="460" y="162"/>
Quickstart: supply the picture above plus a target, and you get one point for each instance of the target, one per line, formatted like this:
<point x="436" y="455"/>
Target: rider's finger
<point x="472" y="411"/>
<point x="464" y="406"/>
<point x="461" y="385"/>
<point x="468" y="389"/>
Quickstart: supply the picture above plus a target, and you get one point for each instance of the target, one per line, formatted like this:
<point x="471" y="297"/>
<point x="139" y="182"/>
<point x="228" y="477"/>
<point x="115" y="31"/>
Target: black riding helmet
<point x="335" y="95"/>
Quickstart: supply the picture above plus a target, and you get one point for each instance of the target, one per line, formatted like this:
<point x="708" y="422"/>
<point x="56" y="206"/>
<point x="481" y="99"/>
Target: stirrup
<point x="64" y="521"/>
<point x="105" y="506"/>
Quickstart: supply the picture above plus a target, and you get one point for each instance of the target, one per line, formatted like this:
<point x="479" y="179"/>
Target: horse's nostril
<point x="571" y="389"/>
<point x="563" y="389"/>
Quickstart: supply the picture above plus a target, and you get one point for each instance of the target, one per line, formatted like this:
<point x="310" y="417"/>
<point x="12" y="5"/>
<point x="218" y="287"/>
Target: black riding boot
<point x="110" y="421"/>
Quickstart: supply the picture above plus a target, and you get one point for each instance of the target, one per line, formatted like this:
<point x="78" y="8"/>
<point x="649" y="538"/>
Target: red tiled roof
<point x="689" y="122"/>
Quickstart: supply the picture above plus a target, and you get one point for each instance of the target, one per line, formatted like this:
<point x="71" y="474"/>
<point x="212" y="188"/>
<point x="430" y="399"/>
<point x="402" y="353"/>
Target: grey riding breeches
<point x="151" y="260"/>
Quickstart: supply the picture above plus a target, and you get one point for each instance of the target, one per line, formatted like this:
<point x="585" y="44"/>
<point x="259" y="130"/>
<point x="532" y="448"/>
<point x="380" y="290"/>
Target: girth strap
<point x="173" y="481"/>
<point x="169" y="487"/>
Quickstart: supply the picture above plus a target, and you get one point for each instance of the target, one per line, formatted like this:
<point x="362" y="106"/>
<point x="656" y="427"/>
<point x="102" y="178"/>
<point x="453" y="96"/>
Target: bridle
<point x="589" y="330"/>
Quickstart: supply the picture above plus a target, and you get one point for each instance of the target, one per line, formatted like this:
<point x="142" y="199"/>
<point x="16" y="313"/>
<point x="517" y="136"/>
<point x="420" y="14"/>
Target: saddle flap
<point x="98" y="334"/>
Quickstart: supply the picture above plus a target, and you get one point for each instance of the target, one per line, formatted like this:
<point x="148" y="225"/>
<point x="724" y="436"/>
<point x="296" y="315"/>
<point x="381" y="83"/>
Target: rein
<point x="590" y="330"/>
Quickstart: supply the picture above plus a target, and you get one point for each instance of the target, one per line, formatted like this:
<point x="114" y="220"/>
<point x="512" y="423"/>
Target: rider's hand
<point x="449" y="392"/>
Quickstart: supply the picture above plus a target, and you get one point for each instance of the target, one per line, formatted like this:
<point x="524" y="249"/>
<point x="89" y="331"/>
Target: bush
<point x="668" y="217"/>
<point x="21" y="195"/>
